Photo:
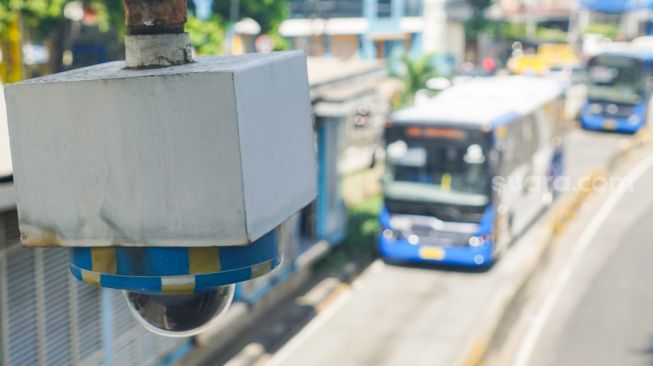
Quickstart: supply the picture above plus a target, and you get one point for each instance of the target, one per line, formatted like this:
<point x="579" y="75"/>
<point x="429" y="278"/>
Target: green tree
<point x="32" y="11"/>
<point x="510" y="31"/>
<point x="44" y="14"/>
<point x="111" y="14"/>
<point x="206" y="35"/>
<point x="58" y="32"/>
<point x="477" y="23"/>
<point x="414" y="73"/>
<point x="41" y="20"/>
<point x="608" y="30"/>
<point x="268" y="13"/>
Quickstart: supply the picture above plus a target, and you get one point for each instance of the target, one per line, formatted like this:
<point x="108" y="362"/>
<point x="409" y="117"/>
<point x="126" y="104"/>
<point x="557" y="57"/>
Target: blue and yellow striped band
<point x="175" y="270"/>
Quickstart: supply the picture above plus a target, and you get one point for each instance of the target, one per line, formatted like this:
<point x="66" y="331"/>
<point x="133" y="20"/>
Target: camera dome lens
<point x="180" y="315"/>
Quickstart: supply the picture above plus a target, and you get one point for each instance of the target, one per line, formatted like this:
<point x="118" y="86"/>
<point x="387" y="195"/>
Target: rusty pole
<point x="156" y="36"/>
<point x="155" y="16"/>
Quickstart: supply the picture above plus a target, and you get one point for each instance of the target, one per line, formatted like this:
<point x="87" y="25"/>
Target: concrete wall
<point x="442" y="35"/>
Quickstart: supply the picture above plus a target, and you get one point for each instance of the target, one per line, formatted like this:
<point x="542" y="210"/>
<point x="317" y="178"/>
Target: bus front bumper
<point x="465" y="256"/>
<point x="600" y="123"/>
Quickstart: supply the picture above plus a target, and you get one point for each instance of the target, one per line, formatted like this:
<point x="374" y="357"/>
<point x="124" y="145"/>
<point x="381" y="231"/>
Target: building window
<point x="384" y="9"/>
<point x="412" y="8"/>
<point x="307" y="9"/>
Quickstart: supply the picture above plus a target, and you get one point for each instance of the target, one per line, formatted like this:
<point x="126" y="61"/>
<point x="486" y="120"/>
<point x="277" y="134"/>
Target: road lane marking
<point x="544" y="313"/>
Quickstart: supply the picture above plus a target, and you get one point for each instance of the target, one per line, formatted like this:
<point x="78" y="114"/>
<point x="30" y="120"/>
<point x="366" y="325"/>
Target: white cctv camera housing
<point x="218" y="152"/>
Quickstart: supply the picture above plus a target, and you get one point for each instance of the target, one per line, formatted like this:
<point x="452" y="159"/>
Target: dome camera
<point x="202" y="207"/>
<point x="180" y="315"/>
<point x="177" y="291"/>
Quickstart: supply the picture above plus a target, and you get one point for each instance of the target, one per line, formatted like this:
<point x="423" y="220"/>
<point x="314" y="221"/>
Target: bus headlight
<point x="413" y="239"/>
<point x="596" y="108"/>
<point x="389" y="234"/>
<point x="477" y="241"/>
<point x="634" y="119"/>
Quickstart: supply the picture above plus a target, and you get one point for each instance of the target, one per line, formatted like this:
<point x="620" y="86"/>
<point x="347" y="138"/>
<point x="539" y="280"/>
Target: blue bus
<point x="470" y="170"/>
<point x="618" y="90"/>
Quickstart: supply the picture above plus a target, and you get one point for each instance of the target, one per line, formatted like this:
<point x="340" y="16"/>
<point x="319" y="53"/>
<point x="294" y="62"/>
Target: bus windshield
<point x="615" y="79"/>
<point x="437" y="165"/>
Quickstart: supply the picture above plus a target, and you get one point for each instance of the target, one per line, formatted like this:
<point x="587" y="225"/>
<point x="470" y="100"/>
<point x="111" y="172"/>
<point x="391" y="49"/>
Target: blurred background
<point x="47" y="36"/>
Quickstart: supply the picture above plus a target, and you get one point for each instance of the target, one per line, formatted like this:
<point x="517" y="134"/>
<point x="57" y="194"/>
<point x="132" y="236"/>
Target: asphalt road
<point x="396" y="315"/>
<point x="602" y="314"/>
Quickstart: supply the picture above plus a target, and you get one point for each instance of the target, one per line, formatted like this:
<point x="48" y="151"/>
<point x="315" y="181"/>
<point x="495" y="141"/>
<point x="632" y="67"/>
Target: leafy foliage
<point x="551" y="35"/>
<point x="42" y="16"/>
<point x="111" y="14"/>
<point x="31" y="10"/>
<point x="511" y="31"/>
<point x="517" y="31"/>
<point x="280" y="43"/>
<point x="268" y="13"/>
<point x="44" y="20"/>
<point x="477" y="23"/>
<point x="35" y="8"/>
<point x="206" y="35"/>
<point x="414" y="73"/>
<point x="605" y="29"/>
<point x="359" y="244"/>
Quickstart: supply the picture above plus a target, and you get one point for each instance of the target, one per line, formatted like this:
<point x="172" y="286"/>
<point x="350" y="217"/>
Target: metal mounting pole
<point x="156" y="35"/>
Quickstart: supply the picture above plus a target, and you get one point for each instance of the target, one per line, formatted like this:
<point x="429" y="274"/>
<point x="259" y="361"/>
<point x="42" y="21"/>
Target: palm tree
<point x="414" y="73"/>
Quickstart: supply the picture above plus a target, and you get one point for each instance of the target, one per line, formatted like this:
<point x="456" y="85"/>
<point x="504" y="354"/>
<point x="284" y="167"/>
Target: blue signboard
<point x="616" y="6"/>
<point x="605" y="6"/>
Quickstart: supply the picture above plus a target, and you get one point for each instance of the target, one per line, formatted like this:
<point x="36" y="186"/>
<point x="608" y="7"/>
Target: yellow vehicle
<point x="549" y="55"/>
<point x="558" y="55"/>
<point x="528" y="65"/>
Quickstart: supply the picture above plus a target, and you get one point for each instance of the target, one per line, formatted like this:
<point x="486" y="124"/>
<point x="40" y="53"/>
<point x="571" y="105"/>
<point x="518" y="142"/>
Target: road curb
<point x="474" y="352"/>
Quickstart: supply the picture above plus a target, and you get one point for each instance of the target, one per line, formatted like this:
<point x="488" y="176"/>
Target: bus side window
<point x="648" y="85"/>
<point x="541" y="134"/>
<point x="527" y="138"/>
<point x="511" y="148"/>
<point x="516" y="139"/>
<point x="534" y="126"/>
<point x="552" y="117"/>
